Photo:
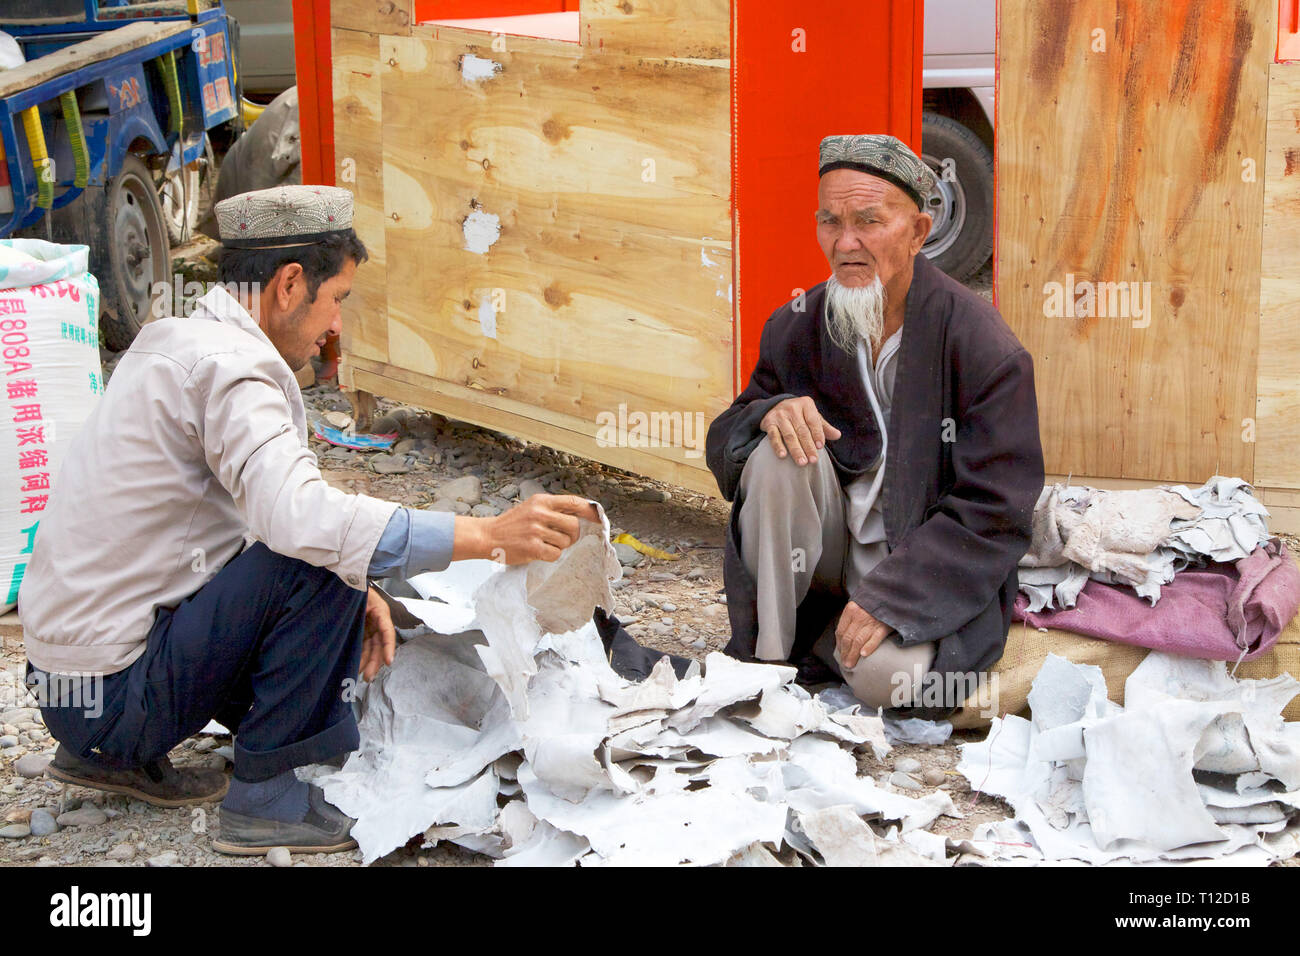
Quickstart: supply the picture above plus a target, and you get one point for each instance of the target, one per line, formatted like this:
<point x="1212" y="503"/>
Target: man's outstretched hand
<point x="539" y="528"/>
<point x="379" y="641"/>
<point x="857" y="635"/>
<point x="794" y="426"/>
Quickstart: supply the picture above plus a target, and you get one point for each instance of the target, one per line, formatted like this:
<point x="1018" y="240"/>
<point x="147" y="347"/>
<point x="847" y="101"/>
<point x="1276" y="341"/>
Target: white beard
<point x="855" y="313"/>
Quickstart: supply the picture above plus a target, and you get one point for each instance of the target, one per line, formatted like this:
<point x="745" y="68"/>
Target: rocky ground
<point x="673" y="605"/>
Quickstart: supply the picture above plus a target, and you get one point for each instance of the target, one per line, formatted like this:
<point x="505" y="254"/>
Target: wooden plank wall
<point x="1277" y="452"/>
<point x="608" y="172"/>
<point x="1129" y="164"/>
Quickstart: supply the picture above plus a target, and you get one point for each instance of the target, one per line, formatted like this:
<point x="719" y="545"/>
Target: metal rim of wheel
<point x="181" y="216"/>
<point x="947" y="206"/>
<point x="182" y="224"/>
<point x="139" y="253"/>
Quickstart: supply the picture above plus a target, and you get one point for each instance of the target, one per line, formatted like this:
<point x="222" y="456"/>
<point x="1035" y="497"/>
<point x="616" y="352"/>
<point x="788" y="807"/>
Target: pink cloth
<point x="1213" y="613"/>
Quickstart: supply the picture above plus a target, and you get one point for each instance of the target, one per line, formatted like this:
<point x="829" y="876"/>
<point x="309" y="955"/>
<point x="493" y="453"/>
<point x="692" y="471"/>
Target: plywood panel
<point x="658" y="28"/>
<point x="607" y="285"/>
<point x="1128" y="165"/>
<point x="358" y="122"/>
<point x="376" y="16"/>
<point x="1277" y="454"/>
<point x="513" y="418"/>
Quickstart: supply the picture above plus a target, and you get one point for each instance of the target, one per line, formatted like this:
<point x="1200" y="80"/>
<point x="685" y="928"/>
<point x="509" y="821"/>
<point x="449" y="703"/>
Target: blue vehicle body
<point x="123" y="100"/>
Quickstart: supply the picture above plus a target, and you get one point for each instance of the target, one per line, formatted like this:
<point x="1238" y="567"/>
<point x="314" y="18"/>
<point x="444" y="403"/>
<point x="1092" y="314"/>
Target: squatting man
<point x="884" y="458"/>
<point x="195" y="563"/>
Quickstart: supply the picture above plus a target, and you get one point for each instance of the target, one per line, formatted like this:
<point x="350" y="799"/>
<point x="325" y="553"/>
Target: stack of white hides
<point x="502" y="728"/>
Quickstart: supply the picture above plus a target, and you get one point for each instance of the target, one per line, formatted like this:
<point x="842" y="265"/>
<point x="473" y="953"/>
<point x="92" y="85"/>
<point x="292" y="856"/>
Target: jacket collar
<point x="219" y="305"/>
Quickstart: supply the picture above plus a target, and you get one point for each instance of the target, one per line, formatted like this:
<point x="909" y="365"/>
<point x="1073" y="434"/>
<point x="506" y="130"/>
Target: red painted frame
<point x="783" y="102"/>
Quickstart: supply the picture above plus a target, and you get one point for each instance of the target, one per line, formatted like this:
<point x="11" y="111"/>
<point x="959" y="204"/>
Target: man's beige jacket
<point x="199" y="443"/>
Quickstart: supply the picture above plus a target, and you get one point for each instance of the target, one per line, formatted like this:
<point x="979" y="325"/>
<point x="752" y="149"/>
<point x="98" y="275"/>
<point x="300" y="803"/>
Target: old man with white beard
<point x="883" y="460"/>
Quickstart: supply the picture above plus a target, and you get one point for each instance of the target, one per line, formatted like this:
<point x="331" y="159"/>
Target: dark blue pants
<point x="269" y="647"/>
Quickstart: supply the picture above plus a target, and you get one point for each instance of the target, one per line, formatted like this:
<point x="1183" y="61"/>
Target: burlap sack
<point x="1027" y="649"/>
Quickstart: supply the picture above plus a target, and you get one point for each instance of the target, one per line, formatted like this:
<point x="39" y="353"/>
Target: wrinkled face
<point x="868" y="227"/>
<point x="296" y="327"/>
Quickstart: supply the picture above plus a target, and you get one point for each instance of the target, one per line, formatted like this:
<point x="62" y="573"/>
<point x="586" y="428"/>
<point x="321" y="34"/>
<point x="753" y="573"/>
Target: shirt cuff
<point x="414" y="541"/>
<point x="433" y="535"/>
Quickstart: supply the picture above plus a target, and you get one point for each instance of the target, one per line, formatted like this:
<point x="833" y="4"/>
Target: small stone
<point x="485" y="511"/>
<point x="668" y="606"/>
<point x="653" y="494"/>
<point x="122" y="852"/>
<point x="509" y="491"/>
<point x="628" y="555"/>
<point x="15" y="831"/>
<point x="662" y="576"/>
<point x="695" y="574"/>
<point x="529" y="487"/>
<point x="204" y="745"/>
<point x="279" y="856"/>
<point x="389" y="465"/>
<point x="699" y="644"/>
<point x="440" y="505"/>
<point x="907" y="765"/>
<point x="666" y="620"/>
<point x="661" y="630"/>
<point x="165" y="858"/>
<point x="904" y="781"/>
<point x="715" y="610"/>
<point x="7" y="741"/>
<point x="42" y="823"/>
<point x="32" y="766"/>
<point x="340" y="420"/>
<point x="385" y="425"/>
<point x="467" y="489"/>
<point x="405" y="446"/>
<point x="934" y="777"/>
<point x="88" y="816"/>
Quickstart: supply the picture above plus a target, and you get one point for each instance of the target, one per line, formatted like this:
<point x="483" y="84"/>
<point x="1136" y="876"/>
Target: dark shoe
<point x="324" y="830"/>
<point x="157" y="783"/>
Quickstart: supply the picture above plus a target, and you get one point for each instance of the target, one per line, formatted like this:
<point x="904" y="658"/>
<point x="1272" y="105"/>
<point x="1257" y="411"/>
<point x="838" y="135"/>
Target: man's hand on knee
<point x="795" y="426"/>
<point x="539" y="528"/>
<point x="379" y="643"/>
<point x="857" y="635"/>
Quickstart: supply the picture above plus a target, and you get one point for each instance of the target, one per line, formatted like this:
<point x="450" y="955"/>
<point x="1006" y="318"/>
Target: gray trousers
<point x="792" y="532"/>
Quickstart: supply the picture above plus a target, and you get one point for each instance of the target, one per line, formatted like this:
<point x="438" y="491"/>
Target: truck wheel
<point x="129" y="250"/>
<point x="961" y="239"/>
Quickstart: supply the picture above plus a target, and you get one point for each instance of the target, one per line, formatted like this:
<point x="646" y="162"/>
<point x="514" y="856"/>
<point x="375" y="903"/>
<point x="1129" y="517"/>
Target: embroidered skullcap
<point x="284" y="216"/>
<point x="880" y="155"/>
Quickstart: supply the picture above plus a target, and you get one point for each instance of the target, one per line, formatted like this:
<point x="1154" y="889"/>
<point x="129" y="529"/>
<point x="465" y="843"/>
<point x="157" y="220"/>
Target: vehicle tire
<point x="129" y="250"/>
<point x="961" y="239"/>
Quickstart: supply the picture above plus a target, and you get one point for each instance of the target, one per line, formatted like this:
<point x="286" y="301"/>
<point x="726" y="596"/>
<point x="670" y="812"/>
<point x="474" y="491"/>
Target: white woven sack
<point x="50" y="379"/>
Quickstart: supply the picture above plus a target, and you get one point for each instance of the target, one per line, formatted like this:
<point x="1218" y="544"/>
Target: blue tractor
<point x="114" y="101"/>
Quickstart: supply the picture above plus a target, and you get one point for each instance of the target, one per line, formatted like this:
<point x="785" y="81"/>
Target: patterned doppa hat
<point x="284" y="216"/>
<point x="880" y="155"/>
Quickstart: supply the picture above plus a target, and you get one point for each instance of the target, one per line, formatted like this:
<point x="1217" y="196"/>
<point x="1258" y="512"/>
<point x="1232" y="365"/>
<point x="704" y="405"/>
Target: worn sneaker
<point x="157" y="783"/>
<point x="325" y="829"/>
